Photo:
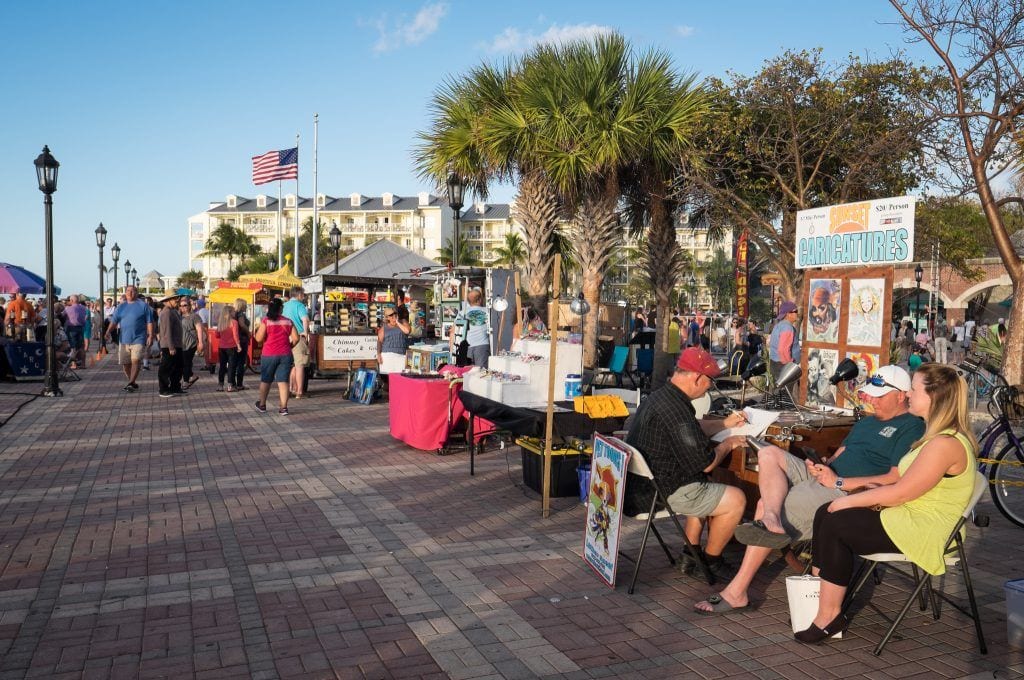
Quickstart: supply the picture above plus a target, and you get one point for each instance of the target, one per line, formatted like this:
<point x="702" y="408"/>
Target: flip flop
<point x="719" y="605"/>
<point x="756" y="533"/>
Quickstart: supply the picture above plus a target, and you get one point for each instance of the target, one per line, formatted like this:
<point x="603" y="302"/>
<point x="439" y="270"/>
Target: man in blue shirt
<point x="134" y="318"/>
<point x="295" y="310"/>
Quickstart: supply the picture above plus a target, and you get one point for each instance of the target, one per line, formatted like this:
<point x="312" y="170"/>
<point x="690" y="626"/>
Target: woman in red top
<point x="277" y="335"/>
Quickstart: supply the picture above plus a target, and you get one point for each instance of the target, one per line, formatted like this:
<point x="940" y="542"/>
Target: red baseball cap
<point x="698" y="361"/>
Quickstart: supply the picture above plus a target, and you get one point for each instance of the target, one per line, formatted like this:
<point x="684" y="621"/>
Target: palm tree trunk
<point x="536" y="208"/>
<point x="596" y="234"/>
<point x="663" y="262"/>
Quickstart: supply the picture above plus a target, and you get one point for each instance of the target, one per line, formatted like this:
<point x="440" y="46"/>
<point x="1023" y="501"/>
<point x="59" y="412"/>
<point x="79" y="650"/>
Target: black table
<point x="532" y="422"/>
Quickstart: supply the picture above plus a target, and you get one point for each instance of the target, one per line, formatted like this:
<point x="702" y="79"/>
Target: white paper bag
<point x="803" y="592"/>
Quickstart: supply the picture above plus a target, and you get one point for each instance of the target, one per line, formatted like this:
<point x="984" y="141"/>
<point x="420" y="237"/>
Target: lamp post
<point x="456" y="190"/>
<point x="46" y="174"/>
<point x="115" y="254"/>
<point x="101" y="243"/>
<point x="135" y="277"/>
<point x="127" y="273"/>
<point x="918" y="275"/>
<point x="335" y="237"/>
<point x="693" y="292"/>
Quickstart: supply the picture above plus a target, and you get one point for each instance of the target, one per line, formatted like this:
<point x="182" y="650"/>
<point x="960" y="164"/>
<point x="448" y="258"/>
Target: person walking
<point x="193" y="334"/>
<point x="278" y="336"/>
<point x="229" y="346"/>
<point x="133" y="322"/>
<point x="941" y="342"/>
<point x="169" y="373"/>
<point x="76" y="315"/>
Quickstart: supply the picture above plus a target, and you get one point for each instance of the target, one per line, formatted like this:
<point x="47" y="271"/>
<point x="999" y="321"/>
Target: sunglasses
<point x="879" y="381"/>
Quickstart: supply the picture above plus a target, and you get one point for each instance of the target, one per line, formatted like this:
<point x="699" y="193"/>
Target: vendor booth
<point x="257" y="290"/>
<point x="350" y="304"/>
<point x="20" y="358"/>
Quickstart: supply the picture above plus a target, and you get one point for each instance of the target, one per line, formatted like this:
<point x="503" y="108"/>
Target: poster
<point x="823" y="310"/>
<point x="604" y="506"/>
<point x="867" y="364"/>
<point x="864" y="313"/>
<point x="363" y="386"/>
<point x="450" y="290"/>
<point x="821" y="364"/>
<point x="856" y="234"/>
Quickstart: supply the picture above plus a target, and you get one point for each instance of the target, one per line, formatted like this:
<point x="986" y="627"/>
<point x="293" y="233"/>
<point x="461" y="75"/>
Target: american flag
<point x="275" y="165"/>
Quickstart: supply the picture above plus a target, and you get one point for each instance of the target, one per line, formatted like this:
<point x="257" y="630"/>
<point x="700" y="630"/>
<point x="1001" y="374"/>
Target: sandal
<point x="757" y="534"/>
<point x="719" y="605"/>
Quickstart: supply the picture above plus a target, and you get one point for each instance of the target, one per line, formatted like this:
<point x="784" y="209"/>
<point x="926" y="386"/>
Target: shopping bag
<point x="802" y="592"/>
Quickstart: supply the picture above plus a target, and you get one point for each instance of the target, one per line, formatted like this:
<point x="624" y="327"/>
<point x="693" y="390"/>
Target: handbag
<point x="802" y="593"/>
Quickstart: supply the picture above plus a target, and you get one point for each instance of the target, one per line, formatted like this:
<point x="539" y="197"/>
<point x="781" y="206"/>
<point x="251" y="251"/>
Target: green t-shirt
<point x="875" y="446"/>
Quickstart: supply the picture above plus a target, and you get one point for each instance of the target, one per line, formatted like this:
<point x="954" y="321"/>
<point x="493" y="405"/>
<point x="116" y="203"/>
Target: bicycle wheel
<point x="1008" y="483"/>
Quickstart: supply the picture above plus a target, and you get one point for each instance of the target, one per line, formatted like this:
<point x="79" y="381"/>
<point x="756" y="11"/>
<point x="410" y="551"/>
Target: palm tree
<point x="230" y="241"/>
<point x="467" y="258"/>
<point x="191" y="278"/>
<point x="512" y="253"/>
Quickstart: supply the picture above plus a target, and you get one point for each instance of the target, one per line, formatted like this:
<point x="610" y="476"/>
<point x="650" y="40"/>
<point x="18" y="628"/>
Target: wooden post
<point x="548" y="428"/>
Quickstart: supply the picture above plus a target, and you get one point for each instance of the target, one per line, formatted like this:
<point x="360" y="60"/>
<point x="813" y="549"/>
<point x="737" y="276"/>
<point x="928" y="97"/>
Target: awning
<point x="282" y="278"/>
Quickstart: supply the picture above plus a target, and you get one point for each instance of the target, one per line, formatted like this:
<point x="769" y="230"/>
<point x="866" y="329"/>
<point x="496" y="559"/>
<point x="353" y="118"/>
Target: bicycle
<point x="1002" y="451"/>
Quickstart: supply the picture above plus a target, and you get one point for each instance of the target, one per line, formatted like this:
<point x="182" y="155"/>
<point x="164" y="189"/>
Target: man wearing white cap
<point x="792" y="489"/>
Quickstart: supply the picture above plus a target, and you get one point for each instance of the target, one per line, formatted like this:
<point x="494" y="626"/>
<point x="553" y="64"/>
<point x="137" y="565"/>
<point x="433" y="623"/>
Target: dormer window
<point x="355" y="200"/>
<point x="388" y="199"/>
<point x="232" y="201"/>
<point x="289" y="201"/>
<point x="481" y="208"/>
<point x="261" y="201"/>
<point x="321" y="200"/>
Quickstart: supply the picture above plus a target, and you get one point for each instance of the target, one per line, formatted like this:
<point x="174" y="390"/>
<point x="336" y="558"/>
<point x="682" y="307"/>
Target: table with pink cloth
<point x="418" y="409"/>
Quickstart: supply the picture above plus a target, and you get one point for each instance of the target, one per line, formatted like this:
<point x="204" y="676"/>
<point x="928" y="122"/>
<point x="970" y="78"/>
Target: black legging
<point x="237" y="367"/>
<point x="187" y="358"/>
<point x="840" y="536"/>
<point x="226" y="359"/>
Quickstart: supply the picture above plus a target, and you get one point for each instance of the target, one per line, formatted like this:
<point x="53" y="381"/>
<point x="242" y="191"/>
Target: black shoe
<point x="716" y="564"/>
<point x="815" y="635"/>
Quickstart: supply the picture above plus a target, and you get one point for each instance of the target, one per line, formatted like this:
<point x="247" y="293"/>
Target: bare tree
<point x="980" y="43"/>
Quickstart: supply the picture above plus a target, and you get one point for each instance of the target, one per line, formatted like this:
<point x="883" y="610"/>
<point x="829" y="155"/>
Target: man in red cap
<point x="680" y="453"/>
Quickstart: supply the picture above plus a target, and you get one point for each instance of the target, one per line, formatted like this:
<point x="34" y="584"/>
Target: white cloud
<point x="685" y="31"/>
<point x="513" y="40"/>
<point x="401" y="32"/>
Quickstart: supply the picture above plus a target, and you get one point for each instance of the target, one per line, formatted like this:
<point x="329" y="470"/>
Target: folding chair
<point x="616" y="367"/>
<point x="954" y="555"/>
<point x="66" y="373"/>
<point x="645" y="365"/>
<point x="638" y="466"/>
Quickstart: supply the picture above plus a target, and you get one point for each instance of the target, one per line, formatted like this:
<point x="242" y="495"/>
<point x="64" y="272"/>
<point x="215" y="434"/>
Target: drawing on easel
<point x="865" y="312"/>
<point x="823" y="310"/>
<point x="821" y="364"/>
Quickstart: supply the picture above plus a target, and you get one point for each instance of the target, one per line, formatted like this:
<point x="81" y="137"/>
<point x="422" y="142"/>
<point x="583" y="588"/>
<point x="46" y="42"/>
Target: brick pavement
<point x="195" y="537"/>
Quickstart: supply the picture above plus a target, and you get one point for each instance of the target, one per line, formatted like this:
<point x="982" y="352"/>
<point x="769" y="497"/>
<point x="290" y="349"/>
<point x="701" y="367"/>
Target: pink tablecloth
<point x="418" y="410"/>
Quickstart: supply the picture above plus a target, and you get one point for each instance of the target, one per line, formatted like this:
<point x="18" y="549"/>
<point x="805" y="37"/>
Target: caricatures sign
<point x="604" y="506"/>
<point x="860" y="234"/>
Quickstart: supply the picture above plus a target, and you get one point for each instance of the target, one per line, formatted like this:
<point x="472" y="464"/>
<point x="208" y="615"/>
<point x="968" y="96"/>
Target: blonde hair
<point x="240" y="305"/>
<point x="948" y="410"/>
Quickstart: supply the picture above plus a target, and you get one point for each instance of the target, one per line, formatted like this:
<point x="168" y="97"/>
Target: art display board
<point x="847" y="314"/>
<point x="608" y="467"/>
<point x="363" y="386"/>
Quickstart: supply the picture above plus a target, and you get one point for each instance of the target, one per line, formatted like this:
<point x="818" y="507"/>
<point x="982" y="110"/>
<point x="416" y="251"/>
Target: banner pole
<point x="549" y="425"/>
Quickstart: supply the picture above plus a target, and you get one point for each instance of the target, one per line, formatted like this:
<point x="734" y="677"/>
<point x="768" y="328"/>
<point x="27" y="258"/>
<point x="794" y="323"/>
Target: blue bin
<point x="583" y="474"/>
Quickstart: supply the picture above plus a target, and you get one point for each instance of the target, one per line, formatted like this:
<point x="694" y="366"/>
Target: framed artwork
<point x="865" y="312"/>
<point x="821" y="364"/>
<point x="450" y="289"/>
<point x="823" y="305"/>
<point x="363" y="386"/>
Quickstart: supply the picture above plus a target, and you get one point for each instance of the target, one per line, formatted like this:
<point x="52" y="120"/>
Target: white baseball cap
<point x="885" y="380"/>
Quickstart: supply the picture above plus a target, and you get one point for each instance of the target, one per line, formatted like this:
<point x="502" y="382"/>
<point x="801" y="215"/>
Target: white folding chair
<point x="638" y="466"/>
<point x="954" y="555"/>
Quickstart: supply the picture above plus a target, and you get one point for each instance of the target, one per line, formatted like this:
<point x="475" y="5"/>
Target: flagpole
<point x="316" y="198"/>
<point x="280" y="243"/>
<point x="295" y="261"/>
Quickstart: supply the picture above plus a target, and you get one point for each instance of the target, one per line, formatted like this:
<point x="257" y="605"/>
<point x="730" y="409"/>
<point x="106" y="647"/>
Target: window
<point x="197" y="247"/>
<point x="196" y="229"/>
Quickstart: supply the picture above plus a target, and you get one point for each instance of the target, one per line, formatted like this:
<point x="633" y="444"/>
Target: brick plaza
<point x="195" y="537"/>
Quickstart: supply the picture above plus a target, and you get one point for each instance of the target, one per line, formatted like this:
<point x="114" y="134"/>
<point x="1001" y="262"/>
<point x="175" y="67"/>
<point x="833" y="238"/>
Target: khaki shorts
<point x="805" y="496"/>
<point x="130" y="354"/>
<point x="698" y="499"/>
<point x="300" y="353"/>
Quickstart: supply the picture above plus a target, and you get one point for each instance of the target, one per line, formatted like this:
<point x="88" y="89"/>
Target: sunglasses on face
<point x="879" y="381"/>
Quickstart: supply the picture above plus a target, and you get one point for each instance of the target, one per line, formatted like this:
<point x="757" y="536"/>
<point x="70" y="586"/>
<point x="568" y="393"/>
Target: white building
<point x="422" y="223"/>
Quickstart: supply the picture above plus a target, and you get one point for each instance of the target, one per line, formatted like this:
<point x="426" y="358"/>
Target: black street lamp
<point x="101" y="243"/>
<point x="335" y="237"/>
<point x="918" y="275"/>
<point x="456" y="189"/>
<point x="135" y="277"/>
<point x="115" y="254"/>
<point x="46" y="174"/>
<point x="127" y="273"/>
<point x="693" y="292"/>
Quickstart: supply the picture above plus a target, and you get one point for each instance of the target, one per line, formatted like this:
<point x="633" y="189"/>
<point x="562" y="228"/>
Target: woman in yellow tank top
<point x="919" y="511"/>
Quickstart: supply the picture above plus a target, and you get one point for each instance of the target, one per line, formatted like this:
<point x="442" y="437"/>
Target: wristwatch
<point x="839" y="483"/>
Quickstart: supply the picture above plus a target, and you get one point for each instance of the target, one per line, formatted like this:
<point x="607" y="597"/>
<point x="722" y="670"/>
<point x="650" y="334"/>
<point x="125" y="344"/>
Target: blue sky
<point x="154" y="109"/>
